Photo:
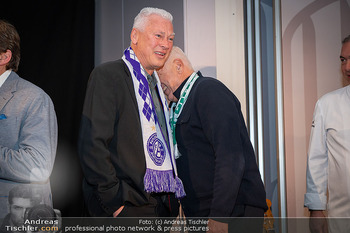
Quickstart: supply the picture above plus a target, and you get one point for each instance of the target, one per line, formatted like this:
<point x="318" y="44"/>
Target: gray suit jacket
<point x="28" y="138"/>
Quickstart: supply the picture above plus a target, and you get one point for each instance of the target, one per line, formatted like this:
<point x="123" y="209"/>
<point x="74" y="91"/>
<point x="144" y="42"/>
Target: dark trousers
<point x="248" y="219"/>
<point x="167" y="206"/>
<point x="244" y="219"/>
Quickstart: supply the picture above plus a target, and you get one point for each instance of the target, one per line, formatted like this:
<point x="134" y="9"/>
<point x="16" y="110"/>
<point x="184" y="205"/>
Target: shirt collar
<point x="4" y="76"/>
<point x="177" y="93"/>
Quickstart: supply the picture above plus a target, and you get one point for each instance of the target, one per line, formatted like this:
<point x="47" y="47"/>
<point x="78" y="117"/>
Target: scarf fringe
<point x="163" y="181"/>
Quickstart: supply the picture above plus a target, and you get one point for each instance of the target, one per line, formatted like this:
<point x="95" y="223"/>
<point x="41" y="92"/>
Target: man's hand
<point x="217" y="227"/>
<point x="318" y="222"/>
<point x="116" y="213"/>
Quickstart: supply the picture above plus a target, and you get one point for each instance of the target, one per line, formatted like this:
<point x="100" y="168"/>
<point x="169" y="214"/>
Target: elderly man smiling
<point x="127" y="160"/>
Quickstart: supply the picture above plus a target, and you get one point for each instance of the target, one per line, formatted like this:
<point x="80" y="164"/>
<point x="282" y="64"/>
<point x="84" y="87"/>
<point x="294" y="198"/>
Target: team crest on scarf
<point x="156" y="150"/>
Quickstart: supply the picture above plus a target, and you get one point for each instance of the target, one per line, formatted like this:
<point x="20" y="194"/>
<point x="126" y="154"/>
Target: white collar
<point x="4" y="76"/>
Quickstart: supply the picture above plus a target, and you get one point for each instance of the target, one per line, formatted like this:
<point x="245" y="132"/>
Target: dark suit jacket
<point x="218" y="166"/>
<point x="110" y="143"/>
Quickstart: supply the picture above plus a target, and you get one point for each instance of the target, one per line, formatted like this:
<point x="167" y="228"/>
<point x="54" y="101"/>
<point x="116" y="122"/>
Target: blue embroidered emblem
<point x="3" y="116"/>
<point x="156" y="150"/>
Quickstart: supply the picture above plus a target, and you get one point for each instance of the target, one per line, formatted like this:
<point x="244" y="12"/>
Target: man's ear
<point x="134" y="36"/>
<point x="179" y="65"/>
<point x="5" y="57"/>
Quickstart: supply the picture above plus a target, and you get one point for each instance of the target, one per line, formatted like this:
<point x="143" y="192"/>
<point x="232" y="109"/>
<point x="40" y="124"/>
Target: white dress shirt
<point x="328" y="167"/>
<point x="4" y="76"/>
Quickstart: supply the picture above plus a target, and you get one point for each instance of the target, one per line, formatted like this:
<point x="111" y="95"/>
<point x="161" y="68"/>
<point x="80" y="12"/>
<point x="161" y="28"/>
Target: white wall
<point x="200" y="38"/>
<point x="214" y="41"/>
<point x="230" y="46"/>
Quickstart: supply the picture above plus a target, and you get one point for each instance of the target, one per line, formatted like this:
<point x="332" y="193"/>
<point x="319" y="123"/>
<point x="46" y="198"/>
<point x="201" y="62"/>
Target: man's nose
<point x="23" y="213"/>
<point x="165" y="43"/>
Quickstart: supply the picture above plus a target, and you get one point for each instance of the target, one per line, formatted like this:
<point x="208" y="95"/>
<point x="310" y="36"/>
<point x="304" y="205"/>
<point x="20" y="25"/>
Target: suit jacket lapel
<point x="7" y="89"/>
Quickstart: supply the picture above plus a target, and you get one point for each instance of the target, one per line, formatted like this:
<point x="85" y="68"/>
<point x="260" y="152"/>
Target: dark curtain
<point x="57" y="54"/>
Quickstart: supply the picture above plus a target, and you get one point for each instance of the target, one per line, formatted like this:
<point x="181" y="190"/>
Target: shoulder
<point x="213" y="88"/>
<point x="29" y="90"/>
<point x="335" y="96"/>
<point x="110" y="72"/>
<point x="209" y="82"/>
<point x="26" y="95"/>
<point x="111" y="67"/>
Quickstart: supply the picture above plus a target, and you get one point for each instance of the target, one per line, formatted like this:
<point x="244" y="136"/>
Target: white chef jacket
<point x="328" y="165"/>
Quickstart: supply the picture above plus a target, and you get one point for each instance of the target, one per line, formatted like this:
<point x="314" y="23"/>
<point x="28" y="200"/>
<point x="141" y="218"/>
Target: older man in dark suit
<point x="215" y="158"/>
<point x="127" y="160"/>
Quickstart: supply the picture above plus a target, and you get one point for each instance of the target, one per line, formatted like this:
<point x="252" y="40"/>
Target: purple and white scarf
<point x="161" y="174"/>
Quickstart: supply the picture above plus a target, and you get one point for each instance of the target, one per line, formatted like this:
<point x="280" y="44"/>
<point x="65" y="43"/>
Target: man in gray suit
<point x="28" y="126"/>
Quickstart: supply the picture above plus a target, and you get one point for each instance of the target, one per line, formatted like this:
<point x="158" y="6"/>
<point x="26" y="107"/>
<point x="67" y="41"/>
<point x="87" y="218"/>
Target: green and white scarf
<point x="174" y="114"/>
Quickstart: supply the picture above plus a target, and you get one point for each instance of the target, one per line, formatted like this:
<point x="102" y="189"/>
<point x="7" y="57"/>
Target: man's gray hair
<point x="346" y="39"/>
<point x="142" y="17"/>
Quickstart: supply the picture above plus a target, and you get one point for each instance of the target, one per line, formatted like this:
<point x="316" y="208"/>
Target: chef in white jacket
<point x="328" y="164"/>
